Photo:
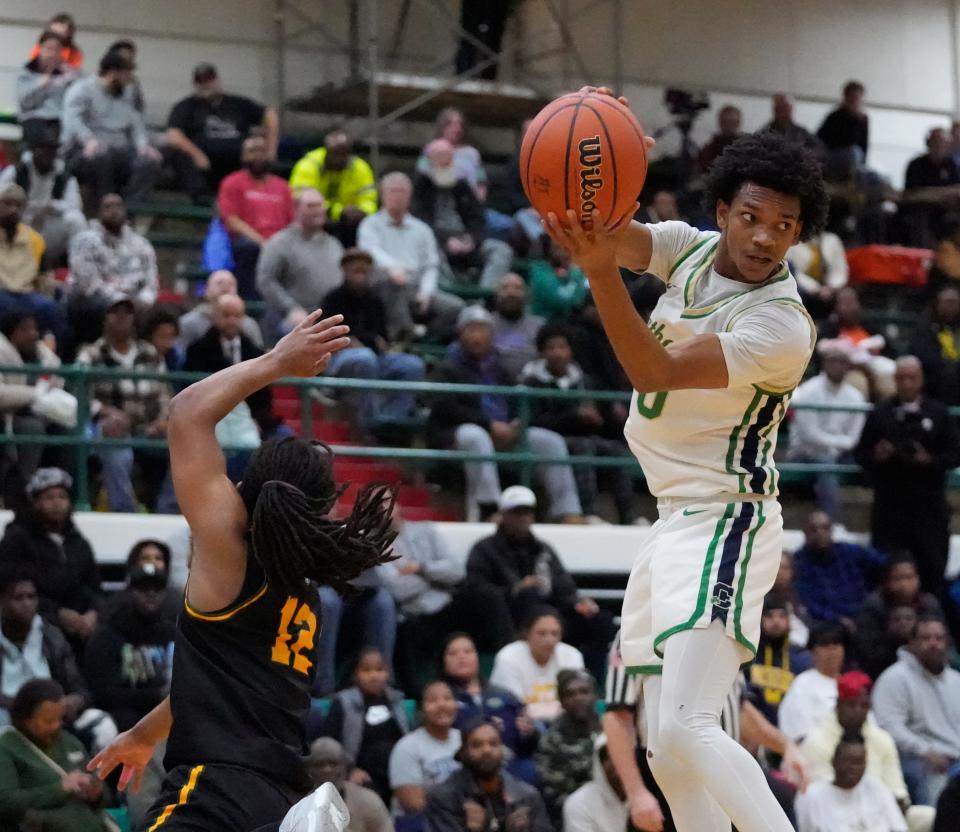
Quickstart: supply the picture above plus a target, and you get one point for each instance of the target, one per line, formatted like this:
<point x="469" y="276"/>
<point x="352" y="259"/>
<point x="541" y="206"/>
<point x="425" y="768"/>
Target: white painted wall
<point x="597" y="550"/>
<point x="742" y="51"/>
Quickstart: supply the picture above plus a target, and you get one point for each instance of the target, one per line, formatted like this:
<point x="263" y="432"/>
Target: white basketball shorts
<point x="702" y="562"/>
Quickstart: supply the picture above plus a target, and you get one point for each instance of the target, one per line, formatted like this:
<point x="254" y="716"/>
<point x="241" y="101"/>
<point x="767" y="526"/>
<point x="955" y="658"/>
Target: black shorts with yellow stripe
<point x="211" y="798"/>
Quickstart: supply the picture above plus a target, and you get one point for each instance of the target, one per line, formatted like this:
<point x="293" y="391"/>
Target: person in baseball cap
<point x="475" y="314"/>
<point x="45" y="478"/>
<point x="517" y="497"/>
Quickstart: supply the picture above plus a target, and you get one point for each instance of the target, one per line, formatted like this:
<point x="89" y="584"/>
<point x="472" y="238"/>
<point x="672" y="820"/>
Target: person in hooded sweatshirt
<point x="917" y="701"/>
<point x="601" y="804"/>
<point x="129" y="658"/>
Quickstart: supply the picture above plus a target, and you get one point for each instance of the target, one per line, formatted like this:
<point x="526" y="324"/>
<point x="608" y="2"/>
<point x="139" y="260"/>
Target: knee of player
<point x="682" y="731"/>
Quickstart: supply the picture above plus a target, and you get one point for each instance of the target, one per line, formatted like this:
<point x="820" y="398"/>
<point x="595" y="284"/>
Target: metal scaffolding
<point x="375" y="55"/>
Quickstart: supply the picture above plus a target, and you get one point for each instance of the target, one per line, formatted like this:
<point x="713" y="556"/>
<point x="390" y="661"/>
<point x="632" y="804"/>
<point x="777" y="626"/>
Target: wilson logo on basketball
<point x="591" y="180"/>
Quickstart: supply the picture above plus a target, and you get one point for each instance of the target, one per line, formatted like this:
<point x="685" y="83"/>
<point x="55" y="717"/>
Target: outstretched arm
<point x="209" y="501"/>
<point x="133" y="749"/>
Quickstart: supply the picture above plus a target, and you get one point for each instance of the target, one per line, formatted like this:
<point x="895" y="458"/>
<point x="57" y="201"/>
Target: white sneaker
<point x="320" y="811"/>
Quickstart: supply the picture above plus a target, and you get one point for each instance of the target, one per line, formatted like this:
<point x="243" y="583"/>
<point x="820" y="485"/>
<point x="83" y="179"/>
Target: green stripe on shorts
<point x="704" y="581"/>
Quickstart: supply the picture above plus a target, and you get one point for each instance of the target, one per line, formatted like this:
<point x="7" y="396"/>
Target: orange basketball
<point x="583" y="151"/>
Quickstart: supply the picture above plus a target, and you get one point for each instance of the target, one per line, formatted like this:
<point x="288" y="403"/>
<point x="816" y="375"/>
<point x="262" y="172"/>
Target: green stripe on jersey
<point x="734" y="442"/>
<point x="686" y="255"/>
<point x="694" y="277"/>
<point x="702" y="312"/>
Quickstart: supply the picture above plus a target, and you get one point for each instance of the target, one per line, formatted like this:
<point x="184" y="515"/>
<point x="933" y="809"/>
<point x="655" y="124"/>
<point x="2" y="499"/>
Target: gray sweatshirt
<point x="40" y="95"/>
<point x="90" y="112"/>
<point x="428" y="591"/>
<point x="297" y="270"/>
<point x="921" y="711"/>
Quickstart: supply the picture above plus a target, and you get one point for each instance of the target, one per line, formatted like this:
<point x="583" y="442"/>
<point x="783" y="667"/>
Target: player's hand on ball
<point x="649" y="141"/>
<point x="593" y="249"/>
<point x="645" y="812"/>
<point x="126" y="750"/>
<point x="305" y="351"/>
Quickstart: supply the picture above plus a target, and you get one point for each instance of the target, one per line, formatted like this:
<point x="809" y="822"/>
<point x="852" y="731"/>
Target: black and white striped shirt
<point x="624" y="693"/>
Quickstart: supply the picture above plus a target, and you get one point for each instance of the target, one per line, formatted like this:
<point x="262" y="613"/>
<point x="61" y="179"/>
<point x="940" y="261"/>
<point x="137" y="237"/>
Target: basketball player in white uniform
<point x="713" y="372"/>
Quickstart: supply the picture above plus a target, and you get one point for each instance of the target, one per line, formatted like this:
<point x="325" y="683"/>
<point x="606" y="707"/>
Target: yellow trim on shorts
<point x="184" y="796"/>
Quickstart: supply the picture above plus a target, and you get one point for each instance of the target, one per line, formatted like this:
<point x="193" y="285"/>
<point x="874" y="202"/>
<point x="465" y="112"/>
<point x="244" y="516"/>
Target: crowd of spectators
<point x="854" y="669"/>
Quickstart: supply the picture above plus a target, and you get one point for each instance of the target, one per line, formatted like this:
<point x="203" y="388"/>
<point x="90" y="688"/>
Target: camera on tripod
<point x="684" y="106"/>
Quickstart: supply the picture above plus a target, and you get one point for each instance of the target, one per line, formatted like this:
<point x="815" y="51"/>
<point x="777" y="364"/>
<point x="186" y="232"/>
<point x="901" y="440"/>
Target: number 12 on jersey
<point x="298" y="615"/>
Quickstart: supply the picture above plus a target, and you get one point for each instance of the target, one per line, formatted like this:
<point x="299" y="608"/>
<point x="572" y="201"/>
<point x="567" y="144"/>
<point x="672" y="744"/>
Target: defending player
<point x="244" y="660"/>
<point x="712" y="372"/>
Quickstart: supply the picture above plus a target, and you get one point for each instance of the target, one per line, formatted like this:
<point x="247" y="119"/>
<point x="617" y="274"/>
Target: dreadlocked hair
<point x="289" y="490"/>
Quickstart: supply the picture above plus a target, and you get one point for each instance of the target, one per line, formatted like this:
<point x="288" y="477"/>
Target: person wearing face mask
<point x="254" y="205"/>
<point x="105" y="138"/>
<point x="129" y="658"/>
<point x="206" y="132"/>
<point x="444" y="200"/>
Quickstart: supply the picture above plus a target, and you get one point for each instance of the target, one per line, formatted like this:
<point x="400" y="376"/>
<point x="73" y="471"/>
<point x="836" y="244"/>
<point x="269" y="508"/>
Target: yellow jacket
<point x="354" y="185"/>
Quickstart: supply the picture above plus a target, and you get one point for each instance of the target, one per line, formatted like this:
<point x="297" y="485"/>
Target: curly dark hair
<point x="771" y="161"/>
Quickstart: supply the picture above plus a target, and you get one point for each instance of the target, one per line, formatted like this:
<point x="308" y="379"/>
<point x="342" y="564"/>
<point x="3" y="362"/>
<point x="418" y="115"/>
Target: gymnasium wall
<point x="585" y="550"/>
<point x="739" y="50"/>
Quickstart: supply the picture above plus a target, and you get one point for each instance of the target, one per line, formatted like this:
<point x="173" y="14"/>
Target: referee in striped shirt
<point x="625" y="730"/>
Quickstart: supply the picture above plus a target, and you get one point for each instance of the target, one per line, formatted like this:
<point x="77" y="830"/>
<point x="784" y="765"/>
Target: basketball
<point x="583" y="151"/>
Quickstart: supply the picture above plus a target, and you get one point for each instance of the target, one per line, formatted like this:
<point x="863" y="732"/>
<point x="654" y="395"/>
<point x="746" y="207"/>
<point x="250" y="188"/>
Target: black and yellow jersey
<point x="241" y="682"/>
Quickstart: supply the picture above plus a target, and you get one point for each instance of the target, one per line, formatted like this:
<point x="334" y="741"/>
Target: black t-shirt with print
<point x="216" y="125"/>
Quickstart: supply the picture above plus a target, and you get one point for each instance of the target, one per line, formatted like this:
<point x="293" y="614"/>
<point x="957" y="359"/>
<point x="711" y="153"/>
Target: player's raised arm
<point x="210" y="502"/>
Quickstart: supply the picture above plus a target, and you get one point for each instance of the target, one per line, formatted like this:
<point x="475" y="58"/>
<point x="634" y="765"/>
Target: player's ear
<point x="798" y="231"/>
<point x="723" y="213"/>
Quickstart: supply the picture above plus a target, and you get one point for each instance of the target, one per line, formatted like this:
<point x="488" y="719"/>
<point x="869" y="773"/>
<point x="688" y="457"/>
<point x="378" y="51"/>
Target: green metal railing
<point x="79" y="379"/>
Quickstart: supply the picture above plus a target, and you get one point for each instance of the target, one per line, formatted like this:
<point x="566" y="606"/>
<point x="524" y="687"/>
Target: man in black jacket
<point x="530" y="574"/>
<point x="908" y="445"/>
<point x="369" y="355"/>
<point x="226" y="344"/>
<point x="481" y="796"/>
<point x="485" y="423"/>
<point x="43" y="540"/>
<point x="589" y="430"/>
<point x="444" y="200"/>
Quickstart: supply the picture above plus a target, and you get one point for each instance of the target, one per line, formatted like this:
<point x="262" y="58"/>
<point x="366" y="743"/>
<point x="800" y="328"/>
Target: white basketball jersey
<point x="701" y="443"/>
